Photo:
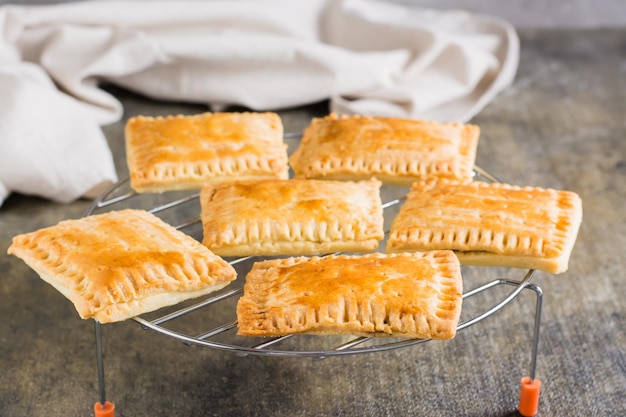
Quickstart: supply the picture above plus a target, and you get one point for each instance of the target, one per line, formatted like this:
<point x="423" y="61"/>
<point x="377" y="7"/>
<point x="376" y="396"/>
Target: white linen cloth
<point x="365" y="56"/>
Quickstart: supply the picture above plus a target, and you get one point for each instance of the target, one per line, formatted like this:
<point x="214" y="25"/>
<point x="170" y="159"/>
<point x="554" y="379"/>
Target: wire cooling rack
<point x="187" y="322"/>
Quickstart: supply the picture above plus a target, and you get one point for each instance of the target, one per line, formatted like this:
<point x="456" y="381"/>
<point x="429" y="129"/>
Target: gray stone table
<point x="561" y="125"/>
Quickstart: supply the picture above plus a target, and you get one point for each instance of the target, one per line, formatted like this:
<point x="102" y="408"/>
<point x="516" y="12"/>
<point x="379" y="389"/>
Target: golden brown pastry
<point x="120" y="264"/>
<point x="291" y="217"/>
<point x="394" y="150"/>
<point x="490" y="224"/>
<point x="185" y="152"/>
<point x="415" y="295"/>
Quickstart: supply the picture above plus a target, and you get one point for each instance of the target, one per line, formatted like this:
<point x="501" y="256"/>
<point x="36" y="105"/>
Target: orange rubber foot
<point x="529" y="397"/>
<point x="106" y="410"/>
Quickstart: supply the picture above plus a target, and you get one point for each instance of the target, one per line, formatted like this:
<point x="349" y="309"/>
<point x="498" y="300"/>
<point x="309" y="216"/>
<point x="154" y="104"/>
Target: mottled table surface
<point x="561" y="125"/>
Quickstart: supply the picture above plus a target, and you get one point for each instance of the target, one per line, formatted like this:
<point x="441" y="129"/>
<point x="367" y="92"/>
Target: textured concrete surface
<point x="541" y="14"/>
<point x="560" y="125"/>
<point x="527" y="14"/>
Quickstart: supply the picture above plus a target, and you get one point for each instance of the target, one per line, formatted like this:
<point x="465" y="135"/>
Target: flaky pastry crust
<point x="416" y="295"/>
<point x="291" y="217"/>
<point x="394" y="150"/>
<point x="186" y="152"/>
<point x="490" y="224"/>
<point x="120" y="264"/>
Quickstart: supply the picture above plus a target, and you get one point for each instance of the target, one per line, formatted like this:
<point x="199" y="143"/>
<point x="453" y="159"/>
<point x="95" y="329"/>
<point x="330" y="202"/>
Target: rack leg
<point x="103" y="408"/>
<point x="530" y="385"/>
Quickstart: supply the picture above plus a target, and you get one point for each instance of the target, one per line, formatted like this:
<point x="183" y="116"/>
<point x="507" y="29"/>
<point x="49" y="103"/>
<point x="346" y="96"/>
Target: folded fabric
<point x="365" y="56"/>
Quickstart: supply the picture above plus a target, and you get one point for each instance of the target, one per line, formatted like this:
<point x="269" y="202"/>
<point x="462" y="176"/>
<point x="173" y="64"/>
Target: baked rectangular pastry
<point x="291" y="217"/>
<point x="120" y="264"/>
<point x="416" y="295"/>
<point x="185" y="152"/>
<point x="394" y="150"/>
<point x="490" y="224"/>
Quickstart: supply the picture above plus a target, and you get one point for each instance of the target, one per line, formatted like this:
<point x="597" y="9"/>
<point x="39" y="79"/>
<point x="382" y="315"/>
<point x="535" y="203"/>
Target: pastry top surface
<point x="118" y="258"/>
<point x="244" y="212"/>
<point x="407" y="295"/>
<point x="196" y="148"/>
<point x="492" y="217"/>
<point x="385" y="147"/>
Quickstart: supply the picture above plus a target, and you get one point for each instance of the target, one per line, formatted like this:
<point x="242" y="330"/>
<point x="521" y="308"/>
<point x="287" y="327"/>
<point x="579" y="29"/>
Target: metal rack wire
<point x="120" y="195"/>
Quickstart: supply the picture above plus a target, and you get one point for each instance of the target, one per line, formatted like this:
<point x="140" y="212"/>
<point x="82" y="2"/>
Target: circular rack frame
<point x="120" y="194"/>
